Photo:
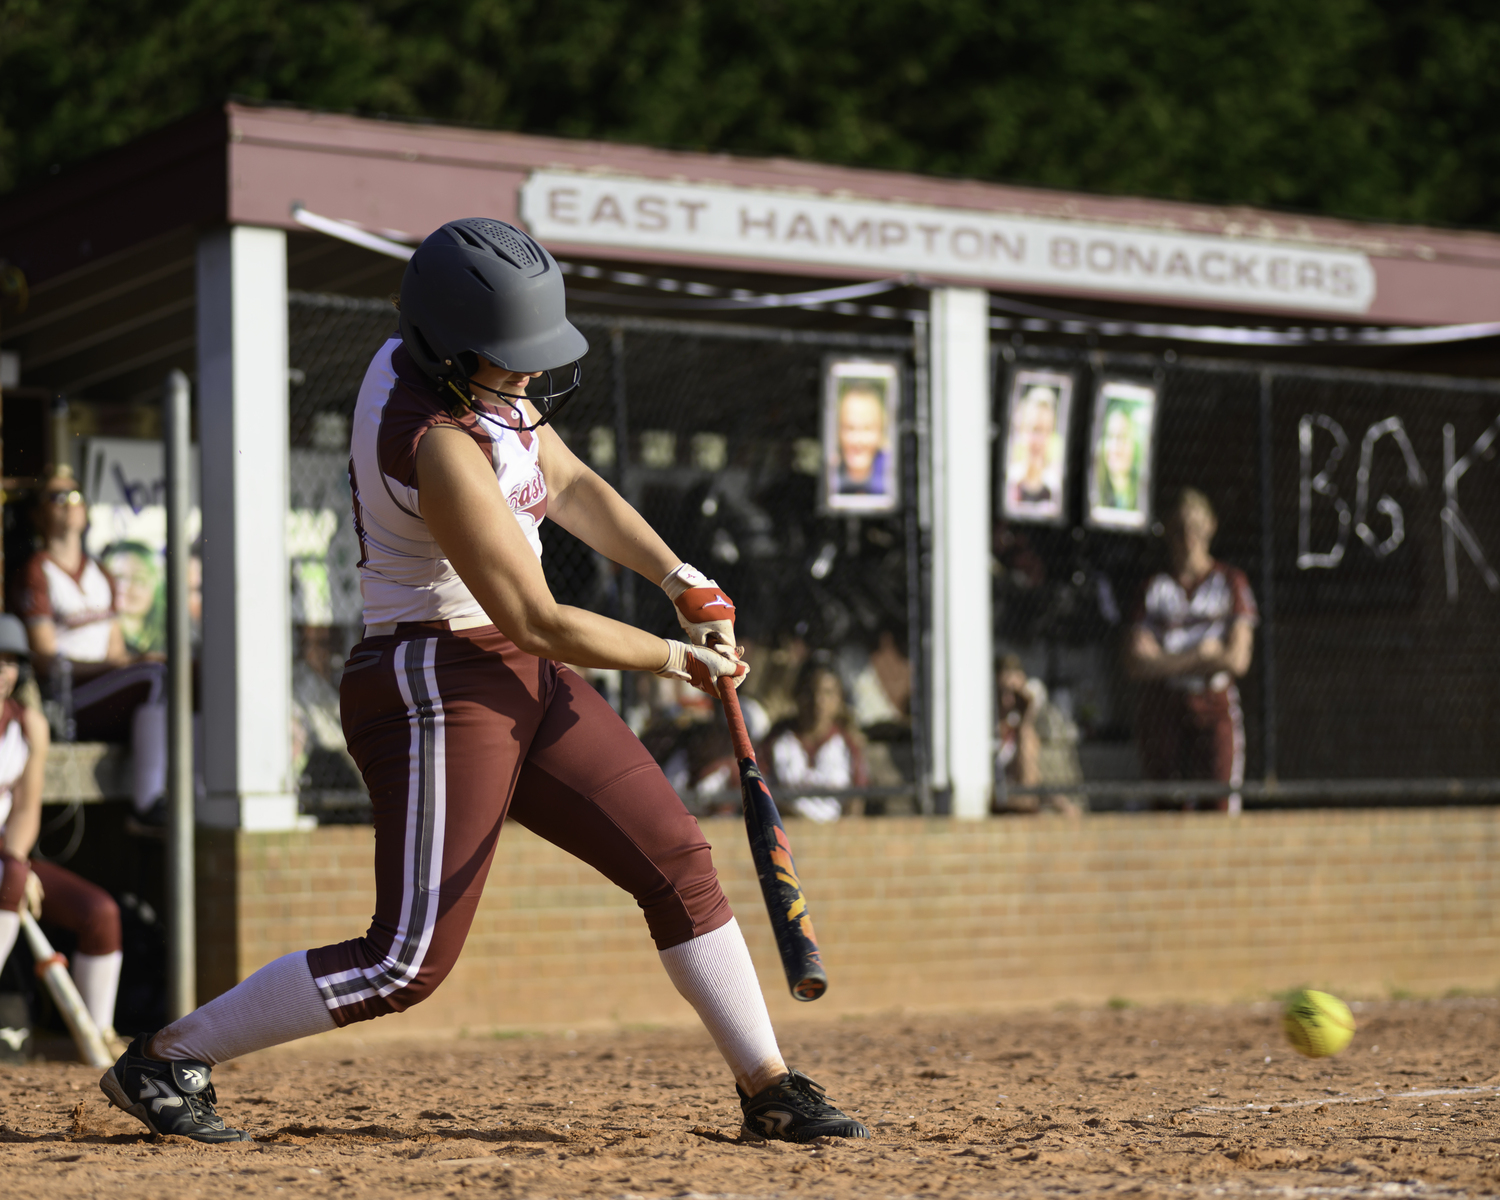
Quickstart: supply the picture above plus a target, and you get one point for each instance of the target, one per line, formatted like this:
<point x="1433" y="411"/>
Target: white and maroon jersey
<point x="1182" y="619"/>
<point x="835" y="762"/>
<point x="81" y="606"/>
<point x="14" y="752"/>
<point x="403" y="574"/>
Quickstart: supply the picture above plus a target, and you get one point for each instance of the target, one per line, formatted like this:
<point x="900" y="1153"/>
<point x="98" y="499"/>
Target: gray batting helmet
<point x="479" y="287"/>
<point x="13" y="637"/>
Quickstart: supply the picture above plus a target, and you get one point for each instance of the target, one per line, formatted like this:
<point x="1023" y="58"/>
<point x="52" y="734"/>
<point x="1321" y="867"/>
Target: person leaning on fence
<point x="52" y="894"/>
<point x="68" y="602"/>
<point x="1192" y="637"/>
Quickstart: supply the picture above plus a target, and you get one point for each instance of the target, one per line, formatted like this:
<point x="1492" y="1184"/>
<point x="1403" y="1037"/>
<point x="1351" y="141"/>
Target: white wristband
<point x="681" y="578"/>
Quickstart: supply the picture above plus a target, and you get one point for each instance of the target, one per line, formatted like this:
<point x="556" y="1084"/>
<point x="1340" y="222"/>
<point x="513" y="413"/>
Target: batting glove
<point x="705" y="613"/>
<point x="701" y="666"/>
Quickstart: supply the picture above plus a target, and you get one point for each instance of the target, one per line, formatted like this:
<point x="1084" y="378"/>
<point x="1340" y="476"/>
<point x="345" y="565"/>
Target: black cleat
<point x="796" y="1110"/>
<point x="169" y="1097"/>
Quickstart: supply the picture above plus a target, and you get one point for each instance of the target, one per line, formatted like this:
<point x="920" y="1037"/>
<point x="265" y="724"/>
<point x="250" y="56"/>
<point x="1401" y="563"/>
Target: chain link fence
<point x="1362" y="508"/>
<point x="713" y="433"/>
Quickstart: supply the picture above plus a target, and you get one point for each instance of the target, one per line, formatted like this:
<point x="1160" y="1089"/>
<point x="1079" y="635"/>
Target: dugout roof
<point x="108" y="247"/>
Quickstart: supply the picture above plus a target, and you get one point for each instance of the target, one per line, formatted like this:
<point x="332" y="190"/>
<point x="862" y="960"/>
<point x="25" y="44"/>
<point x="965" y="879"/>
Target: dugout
<point x="251" y="246"/>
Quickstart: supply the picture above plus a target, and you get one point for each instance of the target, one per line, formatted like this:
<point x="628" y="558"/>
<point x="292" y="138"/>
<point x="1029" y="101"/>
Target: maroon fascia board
<point x="247" y="164"/>
<point x="174" y="177"/>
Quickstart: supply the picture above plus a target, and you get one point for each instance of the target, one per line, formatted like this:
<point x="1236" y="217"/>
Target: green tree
<point x="1369" y="108"/>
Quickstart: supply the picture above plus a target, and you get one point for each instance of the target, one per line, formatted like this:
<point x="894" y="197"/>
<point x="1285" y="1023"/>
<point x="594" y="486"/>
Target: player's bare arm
<point x="1146" y="660"/>
<point x="41" y="633"/>
<point x="1234" y="654"/>
<point x="25" y="820"/>
<point x="592" y="511"/>
<point x="482" y="538"/>
<point x="597" y="515"/>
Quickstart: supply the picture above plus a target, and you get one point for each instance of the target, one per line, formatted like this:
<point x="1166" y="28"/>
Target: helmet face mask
<point x="548" y="404"/>
<point x="477" y="290"/>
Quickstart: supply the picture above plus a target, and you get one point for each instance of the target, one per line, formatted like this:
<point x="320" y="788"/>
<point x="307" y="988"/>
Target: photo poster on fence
<point x="861" y="411"/>
<point x="1037" y="417"/>
<point x="1121" y="447"/>
<point x="124" y="482"/>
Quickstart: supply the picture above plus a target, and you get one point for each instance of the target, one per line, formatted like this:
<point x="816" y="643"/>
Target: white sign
<point x="994" y="249"/>
<point x="125" y="482"/>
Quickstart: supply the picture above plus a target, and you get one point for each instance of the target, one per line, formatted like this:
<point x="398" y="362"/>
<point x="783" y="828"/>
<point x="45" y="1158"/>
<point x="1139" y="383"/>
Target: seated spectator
<point x="140" y="596"/>
<point x="1192" y="637"/>
<point x="819" y="747"/>
<point x="773" y="682"/>
<point x="68" y="602"/>
<point x="880" y="687"/>
<point x="689" y="739"/>
<point x="878" y="678"/>
<point x="53" y="894"/>
<point x="1020" y="748"/>
<point x="1037" y="743"/>
<point x="320" y="757"/>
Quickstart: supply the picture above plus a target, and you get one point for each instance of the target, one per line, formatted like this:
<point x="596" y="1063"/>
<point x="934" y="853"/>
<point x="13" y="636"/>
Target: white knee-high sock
<point x="715" y="975"/>
<point x="10" y="926"/>
<point x="279" y="1003"/>
<point x="98" y="979"/>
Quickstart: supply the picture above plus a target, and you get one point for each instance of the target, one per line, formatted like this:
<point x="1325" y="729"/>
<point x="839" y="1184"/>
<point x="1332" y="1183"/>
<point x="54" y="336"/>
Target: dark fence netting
<point x="1363" y="512"/>
<point x="332" y="339"/>
<point x="713" y="433"/>
<point x="1359" y="511"/>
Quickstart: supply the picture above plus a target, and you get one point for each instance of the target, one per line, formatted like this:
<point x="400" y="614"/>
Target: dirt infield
<point x="1136" y="1103"/>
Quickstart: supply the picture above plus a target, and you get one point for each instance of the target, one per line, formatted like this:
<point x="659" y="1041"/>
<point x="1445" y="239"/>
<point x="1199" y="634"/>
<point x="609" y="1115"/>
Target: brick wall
<point x="934" y="914"/>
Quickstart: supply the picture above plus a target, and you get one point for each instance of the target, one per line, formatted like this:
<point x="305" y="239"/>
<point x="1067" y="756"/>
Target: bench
<point x="86" y="773"/>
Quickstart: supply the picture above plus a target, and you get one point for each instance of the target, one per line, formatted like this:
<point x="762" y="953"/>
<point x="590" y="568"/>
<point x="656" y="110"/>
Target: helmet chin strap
<point x="549" y="403"/>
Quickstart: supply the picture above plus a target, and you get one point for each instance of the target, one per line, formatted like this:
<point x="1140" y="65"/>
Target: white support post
<point x="963" y="684"/>
<point x="242" y="424"/>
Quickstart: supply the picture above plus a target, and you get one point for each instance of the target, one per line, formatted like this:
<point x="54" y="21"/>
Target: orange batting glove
<point x="705" y="613"/>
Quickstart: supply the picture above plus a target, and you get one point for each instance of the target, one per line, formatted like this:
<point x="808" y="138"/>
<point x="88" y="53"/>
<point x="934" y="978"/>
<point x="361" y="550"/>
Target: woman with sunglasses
<point x="457" y="708"/>
<point x="68" y="601"/>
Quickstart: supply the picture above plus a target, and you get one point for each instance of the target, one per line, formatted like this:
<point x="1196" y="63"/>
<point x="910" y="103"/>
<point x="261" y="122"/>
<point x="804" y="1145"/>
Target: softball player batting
<point x="458" y="713"/>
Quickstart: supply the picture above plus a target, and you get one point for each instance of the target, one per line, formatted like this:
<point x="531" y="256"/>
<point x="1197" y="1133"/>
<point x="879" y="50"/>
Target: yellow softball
<point x="1317" y="1024"/>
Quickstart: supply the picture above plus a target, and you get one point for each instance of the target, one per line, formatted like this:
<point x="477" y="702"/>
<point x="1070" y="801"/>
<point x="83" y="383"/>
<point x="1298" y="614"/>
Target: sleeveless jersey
<point x="403" y="574"/>
<point x="1181" y="619"/>
<point x="14" y="751"/>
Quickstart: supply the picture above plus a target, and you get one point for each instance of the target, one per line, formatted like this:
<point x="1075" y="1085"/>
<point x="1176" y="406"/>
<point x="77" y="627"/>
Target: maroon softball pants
<point x="1192" y="735"/>
<point x="68" y="900"/>
<point x="453" y="731"/>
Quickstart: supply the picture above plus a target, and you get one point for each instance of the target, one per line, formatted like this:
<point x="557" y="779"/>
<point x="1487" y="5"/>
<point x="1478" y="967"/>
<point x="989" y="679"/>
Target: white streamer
<point x="691" y="294"/>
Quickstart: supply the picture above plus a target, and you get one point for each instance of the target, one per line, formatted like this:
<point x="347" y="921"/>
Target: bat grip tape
<point x="738" y="734"/>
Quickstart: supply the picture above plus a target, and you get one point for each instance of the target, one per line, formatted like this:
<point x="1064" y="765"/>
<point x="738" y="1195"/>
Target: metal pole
<point x="62" y="448"/>
<point x="182" y="924"/>
<point x="919" y="562"/>
<point x="999" y="354"/>
<point x="1267" y="587"/>
<point x="917" y="707"/>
